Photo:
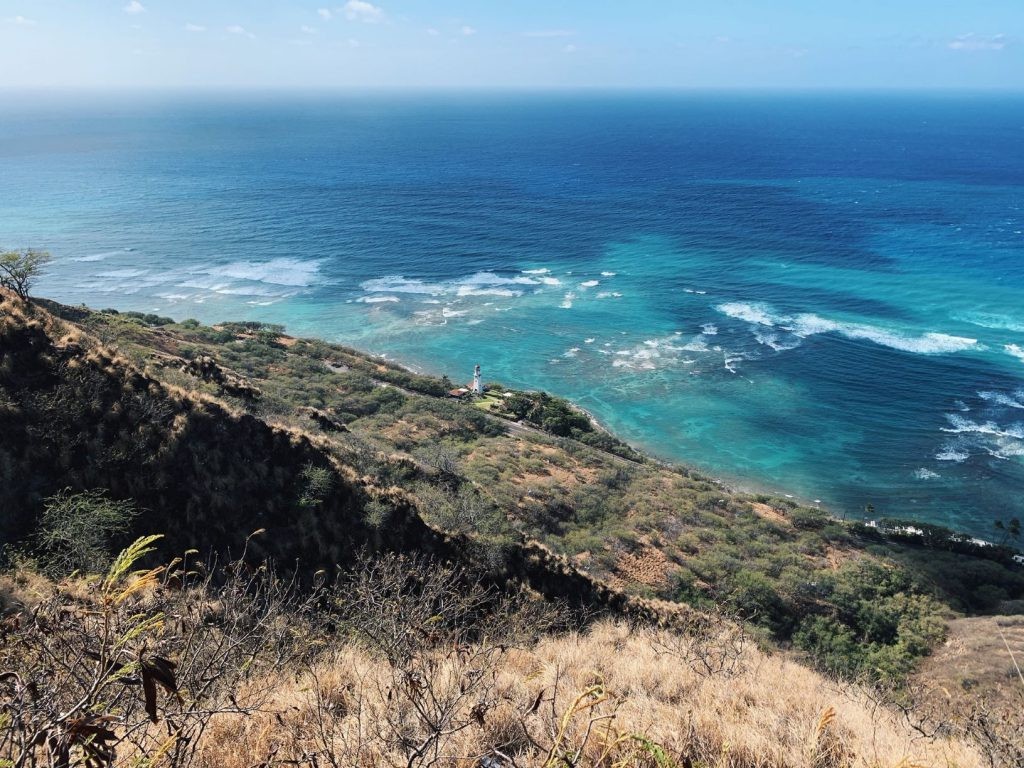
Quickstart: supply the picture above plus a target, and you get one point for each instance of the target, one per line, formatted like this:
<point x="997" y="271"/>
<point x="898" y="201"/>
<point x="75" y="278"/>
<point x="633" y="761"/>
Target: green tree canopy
<point x="19" y="269"/>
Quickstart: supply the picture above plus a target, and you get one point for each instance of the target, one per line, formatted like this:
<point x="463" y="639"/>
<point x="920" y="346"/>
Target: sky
<point x="750" y="44"/>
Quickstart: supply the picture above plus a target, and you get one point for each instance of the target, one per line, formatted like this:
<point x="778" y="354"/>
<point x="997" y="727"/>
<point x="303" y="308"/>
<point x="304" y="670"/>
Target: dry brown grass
<point x="975" y="657"/>
<point x="607" y="697"/>
<point x="647" y="565"/>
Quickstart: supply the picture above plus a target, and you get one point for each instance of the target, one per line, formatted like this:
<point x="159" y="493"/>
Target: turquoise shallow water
<point x="821" y="296"/>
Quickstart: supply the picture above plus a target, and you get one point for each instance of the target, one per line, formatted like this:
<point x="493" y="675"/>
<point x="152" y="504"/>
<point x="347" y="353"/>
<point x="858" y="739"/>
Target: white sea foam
<point x="571" y="352"/>
<point x="730" y="362"/>
<point x="281" y="271"/>
<point x="547" y="280"/>
<point x="1000" y="399"/>
<point x="771" y="339"/>
<point x="590" y="284"/>
<point x="122" y="274"/>
<point x="251" y="290"/>
<point x="378" y="299"/>
<point x="607" y="274"/>
<point x="400" y="284"/>
<point x="925" y="474"/>
<point x="589" y="341"/>
<point x="655" y="353"/>
<point x="709" y="329"/>
<point x="96" y="256"/>
<point x="567" y="300"/>
<point x="952" y="453"/>
<point x="1005" y="449"/>
<point x="761" y="314"/>
<point x="469" y="290"/>
<point x="1016" y="350"/>
<point x="213" y="285"/>
<point x="961" y="425"/>
<point x="490" y="278"/>
<point x="541" y="271"/>
<point x="991" y="320"/>
<point x="930" y="343"/>
<point x="808" y="324"/>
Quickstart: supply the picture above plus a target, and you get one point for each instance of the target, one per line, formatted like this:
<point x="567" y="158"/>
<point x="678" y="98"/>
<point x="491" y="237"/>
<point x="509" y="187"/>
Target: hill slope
<point x="216" y="432"/>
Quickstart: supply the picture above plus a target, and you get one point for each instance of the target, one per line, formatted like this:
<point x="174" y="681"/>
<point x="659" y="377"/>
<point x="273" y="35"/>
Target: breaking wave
<point x="792" y="328"/>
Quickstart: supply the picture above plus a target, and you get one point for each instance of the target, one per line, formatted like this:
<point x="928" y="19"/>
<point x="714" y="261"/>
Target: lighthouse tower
<point x="478" y="383"/>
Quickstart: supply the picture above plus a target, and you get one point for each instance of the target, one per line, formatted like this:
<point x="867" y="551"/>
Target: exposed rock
<point x="323" y="419"/>
<point x="206" y="368"/>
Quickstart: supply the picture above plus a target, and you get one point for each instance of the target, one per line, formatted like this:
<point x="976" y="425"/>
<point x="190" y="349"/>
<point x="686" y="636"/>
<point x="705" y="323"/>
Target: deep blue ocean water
<point x="815" y="295"/>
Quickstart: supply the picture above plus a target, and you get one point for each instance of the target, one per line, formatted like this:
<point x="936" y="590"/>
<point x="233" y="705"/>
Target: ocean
<point x="807" y="294"/>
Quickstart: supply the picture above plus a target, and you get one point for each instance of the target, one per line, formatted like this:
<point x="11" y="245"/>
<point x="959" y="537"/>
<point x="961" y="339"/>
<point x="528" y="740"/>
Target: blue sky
<point x="513" y="43"/>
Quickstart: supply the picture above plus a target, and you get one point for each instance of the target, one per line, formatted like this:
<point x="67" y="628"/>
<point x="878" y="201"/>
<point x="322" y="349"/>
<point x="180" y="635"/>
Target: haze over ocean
<point x="820" y="295"/>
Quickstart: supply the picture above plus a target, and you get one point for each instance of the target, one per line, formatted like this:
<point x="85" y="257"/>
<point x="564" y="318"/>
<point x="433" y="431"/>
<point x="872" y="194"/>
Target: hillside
<point x="264" y="675"/>
<point x="216" y="432"/>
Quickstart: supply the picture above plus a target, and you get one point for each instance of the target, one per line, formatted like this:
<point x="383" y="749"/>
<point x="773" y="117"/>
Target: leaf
<point x="93" y="736"/>
<point x="156" y="670"/>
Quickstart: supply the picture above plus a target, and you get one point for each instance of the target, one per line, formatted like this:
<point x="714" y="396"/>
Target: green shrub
<point x="79" y="531"/>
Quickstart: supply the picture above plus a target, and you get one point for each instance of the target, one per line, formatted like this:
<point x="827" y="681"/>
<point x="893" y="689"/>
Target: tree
<point x="77" y="530"/>
<point x="19" y="269"/>
<point x="1009" y="530"/>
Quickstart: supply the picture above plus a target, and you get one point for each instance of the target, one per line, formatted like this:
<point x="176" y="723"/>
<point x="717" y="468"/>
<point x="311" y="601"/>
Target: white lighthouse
<point x="478" y="383"/>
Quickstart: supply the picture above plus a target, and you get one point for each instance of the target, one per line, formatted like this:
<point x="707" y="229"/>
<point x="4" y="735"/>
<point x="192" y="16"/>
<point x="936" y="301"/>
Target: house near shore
<point x="476" y="387"/>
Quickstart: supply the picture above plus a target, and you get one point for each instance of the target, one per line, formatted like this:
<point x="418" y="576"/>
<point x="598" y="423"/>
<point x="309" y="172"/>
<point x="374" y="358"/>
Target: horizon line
<point x="585" y="88"/>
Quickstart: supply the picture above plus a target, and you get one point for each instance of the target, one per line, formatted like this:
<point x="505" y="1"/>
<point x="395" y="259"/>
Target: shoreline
<point x="739" y="485"/>
<point x="742" y="486"/>
<point x="746" y="486"/>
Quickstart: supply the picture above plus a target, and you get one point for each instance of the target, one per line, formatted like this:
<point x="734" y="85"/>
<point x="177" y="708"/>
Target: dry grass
<point x="975" y="657"/>
<point x="608" y="697"/>
<point x="647" y="565"/>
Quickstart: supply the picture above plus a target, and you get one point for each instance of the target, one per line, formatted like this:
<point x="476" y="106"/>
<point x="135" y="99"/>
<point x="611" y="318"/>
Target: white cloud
<point x="973" y="42"/>
<point x="20" y="21"/>
<point x="467" y="30"/>
<point x="570" y="48"/>
<point x="432" y="32"/>
<point x="237" y="29"/>
<point x="360" y="10"/>
<point x="134" y="7"/>
<point x="194" y="28"/>
<point x="550" y="33"/>
<point x="325" y="13"/>
<point x="308" y="30"/>
<point x="723" y="39"/>
<point x="353" y="43"/>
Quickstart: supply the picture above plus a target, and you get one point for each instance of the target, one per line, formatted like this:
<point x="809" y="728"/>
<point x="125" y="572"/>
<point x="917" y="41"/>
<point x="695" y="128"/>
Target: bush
<point x="77" y="531"/>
